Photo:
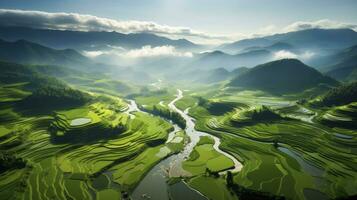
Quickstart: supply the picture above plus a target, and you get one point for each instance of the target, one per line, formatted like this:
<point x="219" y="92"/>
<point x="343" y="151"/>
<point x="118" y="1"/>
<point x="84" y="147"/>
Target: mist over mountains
<point x="319" y="39"/>
<point x="328" y="50"/>
<point x="82" y="40"/>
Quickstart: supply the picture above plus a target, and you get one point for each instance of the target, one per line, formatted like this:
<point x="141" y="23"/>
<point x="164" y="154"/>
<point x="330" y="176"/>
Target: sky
<point x="203" y="20"/>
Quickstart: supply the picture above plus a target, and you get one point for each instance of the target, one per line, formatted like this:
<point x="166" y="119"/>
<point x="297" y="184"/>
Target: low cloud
<point x="93" y="54"/>
<point x="299" y="26"/>
<point x="81" y="22"/>
<point x="75" y="21"/>
<point x="306" y="55"/>
<point x="145" y="51"/>
<point x="284" y="54"/>
<point x="148" y="51"/>
<point x="322" y="24"/>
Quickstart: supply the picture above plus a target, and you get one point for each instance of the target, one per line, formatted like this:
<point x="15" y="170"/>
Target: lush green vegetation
<point x="341" y="116"/>
<point x="281" y="156"/>
<point x="77" y="149"/>
<point x="204" y="159"/>
<point x="340" y="95"/>
<point x="10" y="162"/>
<point x="26" y="52"/>
<point x="68" y="134"/>
<point x="282" y="76"/>
<point x="168" y="114"/>
<point x="156" y="101"/>
<point x="212" y="187"/>
<point x="55" y="96"/>
<point x="254" y="115"/>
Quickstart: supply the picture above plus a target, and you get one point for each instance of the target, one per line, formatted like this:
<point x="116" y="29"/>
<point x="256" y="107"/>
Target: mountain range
<point x="321" y="39"/>
<point x="210" y="66"/>
<point x="218" y="59"/>
<point x="82" y="40"/>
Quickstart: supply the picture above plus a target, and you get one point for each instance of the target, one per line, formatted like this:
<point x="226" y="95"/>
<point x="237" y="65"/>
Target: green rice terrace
<point x="105" y="147"/>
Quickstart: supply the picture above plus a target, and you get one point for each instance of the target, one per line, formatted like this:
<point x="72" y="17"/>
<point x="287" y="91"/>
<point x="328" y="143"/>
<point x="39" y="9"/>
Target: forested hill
<point x="282" y="76"/>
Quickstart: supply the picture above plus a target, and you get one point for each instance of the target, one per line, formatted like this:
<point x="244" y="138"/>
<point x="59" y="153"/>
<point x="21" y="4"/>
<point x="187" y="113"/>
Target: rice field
<point x="81" y="169"/>
<point x="97" y="151"/>
<point x="287" y="157"/>
<point x="205" y="158"/>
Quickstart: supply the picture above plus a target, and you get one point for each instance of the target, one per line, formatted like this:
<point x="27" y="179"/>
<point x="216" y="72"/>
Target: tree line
<point x="168" y="114"/>
<point x="342" y="95"/>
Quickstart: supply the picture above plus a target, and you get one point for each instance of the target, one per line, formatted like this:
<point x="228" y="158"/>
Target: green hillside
<point x="26" y="52"/>
<point x="282" y="76"/>
<point x="342" y="95"/>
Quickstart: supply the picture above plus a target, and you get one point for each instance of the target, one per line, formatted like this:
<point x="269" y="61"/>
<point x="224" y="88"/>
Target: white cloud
<point x="284" y="54"/>
<point x="93" y="54"/>
<point x="75" y="21"/>
<point x="145" y="51"/>
<point x="306" y="55"/>
<point x="82" y="22"/>
<point x="148" y="51"/>
<point x="267" y="29"/>
<point x="298" y="26"/>
<point x="323" y="24"/>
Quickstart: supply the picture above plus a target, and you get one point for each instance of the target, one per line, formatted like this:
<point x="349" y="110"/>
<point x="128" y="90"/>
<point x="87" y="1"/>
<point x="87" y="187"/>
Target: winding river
<point x="154" y="185"/>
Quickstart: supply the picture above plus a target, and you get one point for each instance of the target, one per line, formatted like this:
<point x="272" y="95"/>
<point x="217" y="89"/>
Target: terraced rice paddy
<point x="204" y="157"/>
<point x="80" y="121"/>
<point x="60" y="170"/>
<point x="341" y="116"/>
<point x="286" y="157"/>
<point x="108" y="147"/>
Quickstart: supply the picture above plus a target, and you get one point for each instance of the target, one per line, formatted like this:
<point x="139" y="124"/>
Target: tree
<point x="229" y="179"/>
<point x="276" y="144"/>
<point x="202" y="101"/>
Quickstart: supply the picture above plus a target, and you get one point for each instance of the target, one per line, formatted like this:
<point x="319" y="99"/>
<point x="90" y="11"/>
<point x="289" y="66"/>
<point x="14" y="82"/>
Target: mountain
<point x="252" y="58"/>
<point x="205" y="76"/>
<point x="218" y="59"/>
<point x="81" y="40"/>
<point x="322" y="39"/>
<point x="220" y="74"/>
<point x="238" y="71"/>
<point x="215" y="75"/>
<point x="282" y="76"/>
<point x="46" y="91"/>
<point x="279" y="46"/>
<point x="343" y="65"/>
<point x="25" y="52"/>
<point x="244" y="44"/>
<point x="212" y="60"/>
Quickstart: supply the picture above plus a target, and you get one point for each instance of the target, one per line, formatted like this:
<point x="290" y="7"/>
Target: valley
<point x="111" y="147"/>
<point x="93" y="107"/>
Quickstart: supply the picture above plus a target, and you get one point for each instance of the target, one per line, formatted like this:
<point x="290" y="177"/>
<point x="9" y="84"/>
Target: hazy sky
<point x="228" y="17"/>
